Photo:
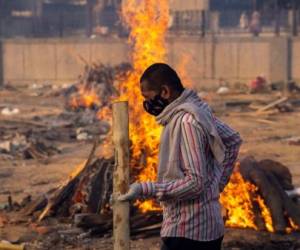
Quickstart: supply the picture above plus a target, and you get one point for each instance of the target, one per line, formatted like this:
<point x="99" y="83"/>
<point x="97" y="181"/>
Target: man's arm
<point x="192" y="152"/>
<point x="232" y="142"/>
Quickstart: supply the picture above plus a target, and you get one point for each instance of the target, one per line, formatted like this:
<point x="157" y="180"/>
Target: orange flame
<point x="85" y="97"/>
<point x="148" y="21"/>
<point x="293" y="226"/>
<point x="236" y="198"/>
<point x="266" y="214"/>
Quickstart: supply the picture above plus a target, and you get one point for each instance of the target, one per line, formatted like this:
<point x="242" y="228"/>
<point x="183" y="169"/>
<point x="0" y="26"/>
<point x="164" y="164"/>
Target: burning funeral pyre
<point x="85" y="195"/>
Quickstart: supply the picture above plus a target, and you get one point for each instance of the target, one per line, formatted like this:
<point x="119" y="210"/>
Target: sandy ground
<point x="265" y="136"/>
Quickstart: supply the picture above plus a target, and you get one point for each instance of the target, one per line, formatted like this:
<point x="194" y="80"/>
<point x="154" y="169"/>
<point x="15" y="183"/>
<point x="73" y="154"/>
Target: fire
<point x="266" y="214"/>
<point x="236" y="198"/>
<point x="148" y="22"/>
<point x="85" y="97"/>
<point x="77" y="170"/>
<point x="292" y="227"/>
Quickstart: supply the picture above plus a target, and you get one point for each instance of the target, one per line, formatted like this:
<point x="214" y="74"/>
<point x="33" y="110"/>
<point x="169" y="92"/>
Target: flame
<point x="105" y="113"/>
<point x="236" y="198"/>
<point x="266" y="214"/>
<point x="292" y="227"/>
<point x="85" y="97"/>
<point x="148" y="22"/>
<point x="77" y="170"/>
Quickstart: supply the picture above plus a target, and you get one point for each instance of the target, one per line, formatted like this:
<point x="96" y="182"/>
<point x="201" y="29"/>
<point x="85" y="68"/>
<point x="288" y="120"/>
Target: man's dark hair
<point x="159" y="74"/>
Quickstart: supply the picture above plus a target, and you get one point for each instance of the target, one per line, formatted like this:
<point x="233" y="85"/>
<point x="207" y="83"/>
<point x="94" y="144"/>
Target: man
<point x="196" y="158"/>
<point x="255" y="24"/>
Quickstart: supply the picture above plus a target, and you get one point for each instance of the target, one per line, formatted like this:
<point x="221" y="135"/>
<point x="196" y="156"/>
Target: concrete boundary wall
<point x="233" y="59"/>
<point x="205" y="60"/>
<point x="57" y="61"/>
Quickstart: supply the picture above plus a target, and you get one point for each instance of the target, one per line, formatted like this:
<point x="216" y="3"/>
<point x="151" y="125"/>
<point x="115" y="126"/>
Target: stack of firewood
<point x="85" y="198"/>
<point x="100" y="79"/>
<point x="273" y="180"/>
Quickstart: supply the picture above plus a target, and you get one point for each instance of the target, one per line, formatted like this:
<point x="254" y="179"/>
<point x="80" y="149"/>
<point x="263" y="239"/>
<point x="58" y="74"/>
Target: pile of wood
<point x="85" y="198"/>
<point x="87" y="191"/>
<point x="22" y="147"/>
<point x="102" y="80"/>
<point x="272" y="179"/>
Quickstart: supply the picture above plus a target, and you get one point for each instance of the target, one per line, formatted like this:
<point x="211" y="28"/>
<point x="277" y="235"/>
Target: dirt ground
<point x="265" y="136"/>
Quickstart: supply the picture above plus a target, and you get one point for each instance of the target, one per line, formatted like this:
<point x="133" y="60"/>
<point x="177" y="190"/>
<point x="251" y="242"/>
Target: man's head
<point x="160" y="85"/>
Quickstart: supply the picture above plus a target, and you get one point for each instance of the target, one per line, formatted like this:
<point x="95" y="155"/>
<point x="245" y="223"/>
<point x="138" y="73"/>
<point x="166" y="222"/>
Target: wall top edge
<point x="170" y="38"/>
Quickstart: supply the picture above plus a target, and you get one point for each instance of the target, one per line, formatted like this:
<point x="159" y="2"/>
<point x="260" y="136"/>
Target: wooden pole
<point x="121" y="232"/>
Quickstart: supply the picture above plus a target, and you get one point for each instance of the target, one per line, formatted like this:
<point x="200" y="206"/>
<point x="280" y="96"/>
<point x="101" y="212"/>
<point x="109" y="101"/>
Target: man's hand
<point x="134" y="192"/>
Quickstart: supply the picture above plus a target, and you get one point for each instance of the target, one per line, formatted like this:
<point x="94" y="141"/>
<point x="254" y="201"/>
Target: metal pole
<point x="294" y="19"/>
<point x="1" y="64"/>
<point x="121" y="230"/>
<point x="89" y="18"/>
<point x="203" y="23"/>
<point x="277" y="19"/>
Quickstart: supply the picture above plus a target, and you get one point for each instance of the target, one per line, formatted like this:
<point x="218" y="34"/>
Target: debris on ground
<point x="10" y="111"/>
<point x="223" y="90"/>
<point x="293" y="140"/>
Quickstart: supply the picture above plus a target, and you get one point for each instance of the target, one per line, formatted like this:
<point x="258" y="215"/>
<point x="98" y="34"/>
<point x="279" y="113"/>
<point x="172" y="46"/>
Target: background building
<point x="62" y="18"/>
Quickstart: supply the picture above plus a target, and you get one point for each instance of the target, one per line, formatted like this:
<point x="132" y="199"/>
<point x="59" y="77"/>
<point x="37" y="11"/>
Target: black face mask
<point x="156" y="105"/>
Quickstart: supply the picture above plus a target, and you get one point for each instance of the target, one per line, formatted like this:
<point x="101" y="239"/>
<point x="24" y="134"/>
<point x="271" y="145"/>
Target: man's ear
<point x="165" y="92"/>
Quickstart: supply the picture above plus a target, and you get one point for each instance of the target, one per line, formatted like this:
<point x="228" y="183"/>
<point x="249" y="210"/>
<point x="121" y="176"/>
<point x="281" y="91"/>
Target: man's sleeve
<point x="232" y="142"/>
<point x="192" y="151"/>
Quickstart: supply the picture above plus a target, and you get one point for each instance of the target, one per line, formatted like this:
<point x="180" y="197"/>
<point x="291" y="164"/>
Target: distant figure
<point x="244" y="21"/>
<point x="258" y="85"/>
<point x="255" y="25"/>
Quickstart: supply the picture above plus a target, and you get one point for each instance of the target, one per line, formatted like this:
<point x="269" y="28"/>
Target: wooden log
<point x="258" y="219"/>
<point x="291" y="208"/>
<point x="90" y="220"/>
<point x="272" y="104"/>
<point x="156" y="226"/>
<point x="101" y="188"/>
<point x="35" y="205"/>
<point x="272" y="178"/>
<point x="250" y="171"/>
<point x="121" y="231"/>
<point x="7" y="246"/>
<point x="235" y="238"/>
<point x="281" y="172"/>
<point x="66" y="188"/>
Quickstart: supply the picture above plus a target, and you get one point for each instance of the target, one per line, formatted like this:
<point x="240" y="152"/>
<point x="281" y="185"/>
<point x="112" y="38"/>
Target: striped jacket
<point x="190" y="187"/>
